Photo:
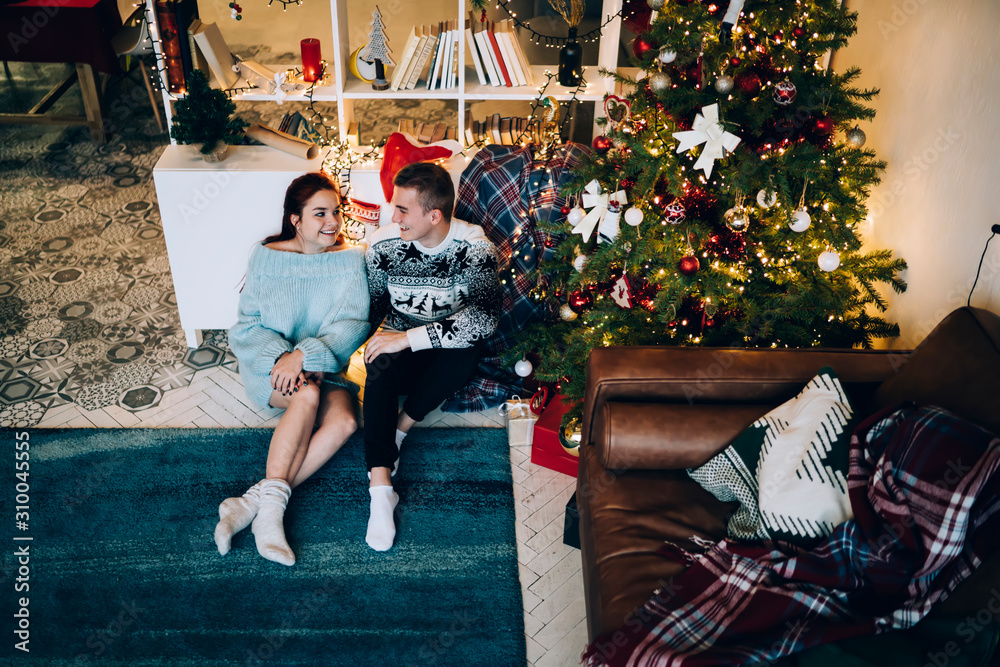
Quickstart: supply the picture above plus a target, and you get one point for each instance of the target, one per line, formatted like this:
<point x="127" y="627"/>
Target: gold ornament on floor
<point x="569" y="438"/>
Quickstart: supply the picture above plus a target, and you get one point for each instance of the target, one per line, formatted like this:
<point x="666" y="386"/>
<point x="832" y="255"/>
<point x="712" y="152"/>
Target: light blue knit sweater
<point x="290" y="301"/>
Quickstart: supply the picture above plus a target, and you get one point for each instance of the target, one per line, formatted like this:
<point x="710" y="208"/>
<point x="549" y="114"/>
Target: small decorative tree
<point x="205" y="116"/>
<point x="377" y="50"/>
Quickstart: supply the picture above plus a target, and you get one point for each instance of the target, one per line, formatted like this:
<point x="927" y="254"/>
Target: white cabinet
<point x="213" y="213"/>
<point x="345" y="88"/>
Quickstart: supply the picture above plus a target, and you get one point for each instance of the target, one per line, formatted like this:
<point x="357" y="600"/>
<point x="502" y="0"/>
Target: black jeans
<point x="425" y="377"/>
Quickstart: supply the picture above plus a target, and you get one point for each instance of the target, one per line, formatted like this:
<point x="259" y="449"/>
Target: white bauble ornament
<point x="766" y="202"/>
<point x="800" y="221"/>
<point x="667" y="56"/>
<point x="633" y="216"/>
<point x="724" y="84"/>
<point x="566" y="313"/>
<point x="659" y="82"/>
<point x="580" y="262"/>
<point x="523" y="368"/>
<point x="828" y="260"/>
<point x="575" y="215"/>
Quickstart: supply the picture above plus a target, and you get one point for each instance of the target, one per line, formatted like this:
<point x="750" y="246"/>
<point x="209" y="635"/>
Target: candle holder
<point x="311" y="59"/>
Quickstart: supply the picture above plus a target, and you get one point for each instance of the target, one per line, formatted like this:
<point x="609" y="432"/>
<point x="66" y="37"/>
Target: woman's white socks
<point x="381" y="526"/>
<point x="235" y="514"/>
<point x="268" y="527"/>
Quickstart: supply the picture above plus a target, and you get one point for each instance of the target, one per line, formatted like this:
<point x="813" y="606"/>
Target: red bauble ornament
<point x="734" y="61"/>
<point x="823" y="125"/>
<point x="642" y="45"/>
<point x="798" y="32"/>
<point x="602" y="144"/>
<point x="748" y="82"/>
<point x="689" y="265"/>
<point x="564" y="210"/>
<point x="580" y="300"/>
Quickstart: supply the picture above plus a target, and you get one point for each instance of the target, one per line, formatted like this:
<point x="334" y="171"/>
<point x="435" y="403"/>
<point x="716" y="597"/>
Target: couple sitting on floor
<point x="308" y="304"/>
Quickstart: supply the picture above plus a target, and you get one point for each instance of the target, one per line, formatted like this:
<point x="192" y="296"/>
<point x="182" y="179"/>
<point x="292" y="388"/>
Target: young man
<point x="434" y="281"/>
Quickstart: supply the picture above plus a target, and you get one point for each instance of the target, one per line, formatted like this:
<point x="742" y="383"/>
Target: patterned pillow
<point x="788" y="470"/>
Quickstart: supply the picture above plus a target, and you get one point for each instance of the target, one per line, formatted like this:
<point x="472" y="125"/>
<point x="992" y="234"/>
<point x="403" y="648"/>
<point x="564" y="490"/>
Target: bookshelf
<point x="346" y="89"/>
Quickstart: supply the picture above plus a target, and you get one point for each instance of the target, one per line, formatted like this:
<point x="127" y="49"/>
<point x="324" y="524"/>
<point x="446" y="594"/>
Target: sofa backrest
<point x="957" y="367"/>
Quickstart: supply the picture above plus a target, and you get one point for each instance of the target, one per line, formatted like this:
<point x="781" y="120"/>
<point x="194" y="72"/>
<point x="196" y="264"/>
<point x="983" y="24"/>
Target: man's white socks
<point x="268" y="527"/>
<point x="381" y="525"/>
<point x="235" y="514"/>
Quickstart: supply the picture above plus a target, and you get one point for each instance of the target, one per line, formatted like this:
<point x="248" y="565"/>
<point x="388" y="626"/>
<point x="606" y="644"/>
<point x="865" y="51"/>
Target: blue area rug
<point x="123" y="568"/>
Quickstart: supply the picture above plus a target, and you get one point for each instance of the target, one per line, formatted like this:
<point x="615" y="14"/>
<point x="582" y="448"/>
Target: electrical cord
<point x="996" y="230"/>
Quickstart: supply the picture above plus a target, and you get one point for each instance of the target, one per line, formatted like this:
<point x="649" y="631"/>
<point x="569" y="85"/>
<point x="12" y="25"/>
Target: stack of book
<point x="497" y="54"/>
<point x="506" y="131"/>
<point x="431" y="54"/>
<point x="426" y="133"/>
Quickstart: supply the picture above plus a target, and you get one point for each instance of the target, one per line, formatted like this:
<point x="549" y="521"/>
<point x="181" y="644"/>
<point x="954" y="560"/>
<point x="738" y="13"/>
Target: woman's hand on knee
<point x="286" y="375"/>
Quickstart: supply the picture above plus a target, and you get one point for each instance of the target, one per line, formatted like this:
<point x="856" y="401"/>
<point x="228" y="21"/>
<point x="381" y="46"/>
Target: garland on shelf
<point x="551" y="40"/>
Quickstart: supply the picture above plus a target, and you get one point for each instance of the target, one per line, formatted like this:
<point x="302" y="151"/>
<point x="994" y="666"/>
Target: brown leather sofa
<point x="652" y="412"/>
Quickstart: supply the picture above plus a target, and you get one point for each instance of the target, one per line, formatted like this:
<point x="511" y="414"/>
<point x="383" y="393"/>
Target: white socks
<point x="268" y="527"/>
<point x="381" y="526"/>
<point x="399" y="438"/>
<point x="235" y="514"/>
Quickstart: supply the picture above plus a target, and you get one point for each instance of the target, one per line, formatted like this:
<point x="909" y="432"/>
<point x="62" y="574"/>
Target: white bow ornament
<point x="604" y="209"/>
<point x="279" y="92"/>
<point x="708" y="130"/>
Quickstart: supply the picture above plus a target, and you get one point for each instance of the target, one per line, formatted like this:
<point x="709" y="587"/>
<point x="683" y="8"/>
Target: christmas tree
<point x="721" y="205"/>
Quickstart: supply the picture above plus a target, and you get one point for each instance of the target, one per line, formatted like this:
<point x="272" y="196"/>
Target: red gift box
<point x="546" y="446"/>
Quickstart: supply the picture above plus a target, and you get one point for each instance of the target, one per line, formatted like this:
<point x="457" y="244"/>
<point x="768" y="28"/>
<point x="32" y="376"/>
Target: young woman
<point x="303" y="311"/>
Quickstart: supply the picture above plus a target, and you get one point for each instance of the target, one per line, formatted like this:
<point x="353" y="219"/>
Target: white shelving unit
<point x="345" y="89"/>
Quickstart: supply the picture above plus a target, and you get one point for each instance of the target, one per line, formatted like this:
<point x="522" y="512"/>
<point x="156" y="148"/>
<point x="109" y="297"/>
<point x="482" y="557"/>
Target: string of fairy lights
<point x="552" y="41"/>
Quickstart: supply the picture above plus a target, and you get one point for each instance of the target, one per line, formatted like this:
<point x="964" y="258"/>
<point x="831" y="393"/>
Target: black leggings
<point x="425" y="377"/>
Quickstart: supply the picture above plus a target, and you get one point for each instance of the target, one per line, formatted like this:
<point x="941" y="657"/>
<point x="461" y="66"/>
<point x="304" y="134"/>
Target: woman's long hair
<point x="298" y="193"/>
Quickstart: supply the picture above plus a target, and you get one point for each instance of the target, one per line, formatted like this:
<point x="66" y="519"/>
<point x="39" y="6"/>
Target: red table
<point x="61" y="31"/>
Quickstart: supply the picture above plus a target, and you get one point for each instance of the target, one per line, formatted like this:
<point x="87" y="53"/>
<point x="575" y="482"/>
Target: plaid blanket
<point x="926" y="506"/>
<point x="497" y="190"/>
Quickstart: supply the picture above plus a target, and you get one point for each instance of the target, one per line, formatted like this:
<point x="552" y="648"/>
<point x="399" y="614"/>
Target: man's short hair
<point x="433" y="184"/>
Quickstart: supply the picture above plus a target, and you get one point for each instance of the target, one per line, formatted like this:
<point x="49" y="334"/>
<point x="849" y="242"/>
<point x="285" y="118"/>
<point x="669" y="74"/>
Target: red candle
<point x="310" y="59"/>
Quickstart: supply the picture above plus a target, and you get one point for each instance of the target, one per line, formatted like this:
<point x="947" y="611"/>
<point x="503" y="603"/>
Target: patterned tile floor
<point x="90" y="336"/>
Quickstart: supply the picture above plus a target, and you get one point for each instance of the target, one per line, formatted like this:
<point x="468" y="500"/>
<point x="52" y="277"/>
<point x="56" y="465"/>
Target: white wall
<point x="938" y="126"/>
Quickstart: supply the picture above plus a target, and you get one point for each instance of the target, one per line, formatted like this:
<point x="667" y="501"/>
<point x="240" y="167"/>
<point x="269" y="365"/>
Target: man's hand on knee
<point x="386" y="342"/>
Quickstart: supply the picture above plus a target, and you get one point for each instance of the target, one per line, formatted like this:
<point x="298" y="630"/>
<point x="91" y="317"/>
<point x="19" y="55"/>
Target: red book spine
<point x="496" y="50"/>
<point x="170" y="46"/>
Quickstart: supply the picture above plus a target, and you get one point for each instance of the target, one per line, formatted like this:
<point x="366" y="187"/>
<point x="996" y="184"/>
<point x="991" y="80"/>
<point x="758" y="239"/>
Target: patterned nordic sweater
<point x="445" y="296"/>
<point x="290" y="301"/>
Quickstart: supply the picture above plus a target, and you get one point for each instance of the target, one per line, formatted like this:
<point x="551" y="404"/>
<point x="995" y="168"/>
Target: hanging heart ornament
<point x="618" y="110"/>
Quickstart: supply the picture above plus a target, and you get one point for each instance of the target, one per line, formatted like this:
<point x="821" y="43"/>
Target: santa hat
<point x="402" y="149"/>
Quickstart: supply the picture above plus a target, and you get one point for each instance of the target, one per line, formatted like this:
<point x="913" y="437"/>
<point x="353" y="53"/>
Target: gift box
<point x="520" y="421"/>
<point x="547" y="448"/>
